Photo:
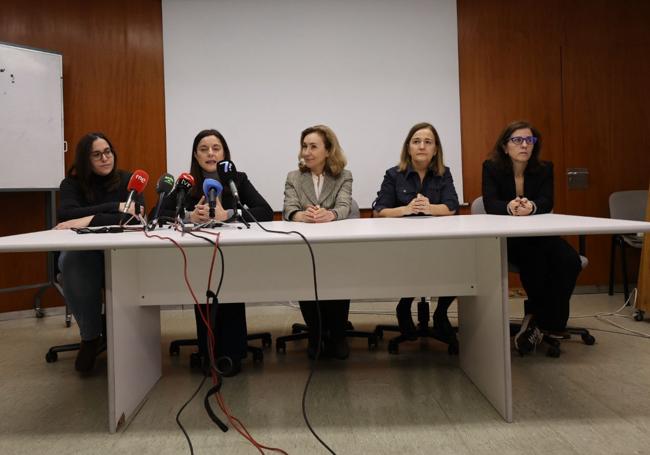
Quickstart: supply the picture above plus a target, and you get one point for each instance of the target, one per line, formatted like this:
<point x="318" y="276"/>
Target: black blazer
<point x="499" y="187"/>
<point x="248" y="195"/>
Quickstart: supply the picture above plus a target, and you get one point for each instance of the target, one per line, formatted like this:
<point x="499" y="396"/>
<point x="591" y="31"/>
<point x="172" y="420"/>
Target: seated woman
<point x="517" y="183"/>
<point x="320" y="191"/>
<point x="93" y="194"/>
<point x="420" y="185"/>
<point x="210" y="147"/>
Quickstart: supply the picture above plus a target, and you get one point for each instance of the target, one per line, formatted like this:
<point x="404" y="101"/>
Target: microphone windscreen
<point x="185" y="181"/>
<point x="226" y="170"/>
<point x="211" y="184"/>
<point x="165" y="184"/>
<point x="138" y="181"/>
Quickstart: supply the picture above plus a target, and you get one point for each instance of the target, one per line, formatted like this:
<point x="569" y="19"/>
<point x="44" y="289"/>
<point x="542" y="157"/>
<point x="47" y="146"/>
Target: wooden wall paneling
<point x="606" y="110"/>
<point x="509" y="62"/>
<point x="113" y="82"/>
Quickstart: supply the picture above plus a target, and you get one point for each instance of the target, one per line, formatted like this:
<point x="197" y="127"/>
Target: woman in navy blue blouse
<point x="420" y="185"/>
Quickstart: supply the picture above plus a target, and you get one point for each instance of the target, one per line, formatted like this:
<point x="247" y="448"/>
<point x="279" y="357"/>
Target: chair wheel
<point x="266" y="342"/>
<point x="639" y="315"/>
<point x="553" y="351"/>
<point x="174" y="350"/>
<point x="296" y="328"/>
<point x="372" y="343"/>
<point x="68" y="323"/>
<point x="393" y="348"/>
<point x="51" y="357"/>
<point x="588" y="339"/>
<point x="452" y="349"/>
<point x="195" y="360"/>
<point x="379" y="333"/>
<point x="39" y="312"/>
<point x="258" y="356"/>
<point x="280" y="347"/>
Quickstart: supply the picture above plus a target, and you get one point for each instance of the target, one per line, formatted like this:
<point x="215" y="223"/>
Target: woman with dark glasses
<point x="517" y="183"/>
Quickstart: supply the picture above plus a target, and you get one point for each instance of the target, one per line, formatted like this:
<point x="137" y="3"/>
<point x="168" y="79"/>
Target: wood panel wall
<point x="578" y="71"/>
<point x="113" y="82"/>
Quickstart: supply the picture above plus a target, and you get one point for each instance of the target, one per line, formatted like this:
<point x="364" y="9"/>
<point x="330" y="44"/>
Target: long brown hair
<point x="82" y="170"/>
<point x="336" y="161"/>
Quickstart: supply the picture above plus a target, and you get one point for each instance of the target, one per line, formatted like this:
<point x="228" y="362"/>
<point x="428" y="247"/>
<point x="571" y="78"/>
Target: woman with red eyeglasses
<point x="517" y="183"/>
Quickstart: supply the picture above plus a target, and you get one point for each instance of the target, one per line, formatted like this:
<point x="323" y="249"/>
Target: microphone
<point x="164" y="186"/>
<point x="212" y="189"/>
<point x="136" y="185"/>
<point x="226" y="170"/>
<point x="184" y="184"/>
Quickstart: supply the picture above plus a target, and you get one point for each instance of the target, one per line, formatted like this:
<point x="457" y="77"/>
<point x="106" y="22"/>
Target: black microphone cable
<point x="320" y="331"/>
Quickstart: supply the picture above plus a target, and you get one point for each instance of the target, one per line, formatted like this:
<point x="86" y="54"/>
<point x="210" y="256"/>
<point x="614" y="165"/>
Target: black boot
<point x="404" y="319"/>
<point x="88" y="350"/>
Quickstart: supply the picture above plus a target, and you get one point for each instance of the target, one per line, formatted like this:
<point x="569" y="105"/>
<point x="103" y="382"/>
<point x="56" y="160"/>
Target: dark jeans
<point x="548" y="268"/>
<point x="333" y="314"/>
<point x="83" y="279"/>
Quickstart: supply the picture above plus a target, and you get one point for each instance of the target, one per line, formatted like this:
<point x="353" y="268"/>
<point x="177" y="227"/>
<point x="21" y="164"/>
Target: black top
<point x="499" y="187"/>
<point x="248" y="196"/>
<point x="104" y="206"/>
<point x="401" y="187"/>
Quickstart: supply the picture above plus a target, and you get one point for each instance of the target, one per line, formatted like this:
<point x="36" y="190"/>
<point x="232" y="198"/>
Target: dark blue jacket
<point x="401" y="187"/>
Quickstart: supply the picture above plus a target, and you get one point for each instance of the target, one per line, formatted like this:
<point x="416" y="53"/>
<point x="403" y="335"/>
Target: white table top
<point x="355" y="230"/>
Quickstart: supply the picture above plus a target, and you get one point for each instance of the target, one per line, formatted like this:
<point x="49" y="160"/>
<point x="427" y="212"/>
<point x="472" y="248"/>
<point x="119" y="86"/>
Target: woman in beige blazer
<point x="320" y="191"/>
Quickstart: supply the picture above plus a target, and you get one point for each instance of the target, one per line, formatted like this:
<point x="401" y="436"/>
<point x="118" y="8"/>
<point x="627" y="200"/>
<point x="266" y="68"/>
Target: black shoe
<point x="528" y="337"/>
<point x="406" y="325"/>
<point x="87" y="354"/>
<point x="337" y="348"/>
<point x="443" y="328"/>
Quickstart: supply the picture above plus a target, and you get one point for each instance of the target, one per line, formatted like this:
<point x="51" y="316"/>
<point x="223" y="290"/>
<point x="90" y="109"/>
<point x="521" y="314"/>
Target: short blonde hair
<point x="437" y="164"/>
<point x="336" y="160"/>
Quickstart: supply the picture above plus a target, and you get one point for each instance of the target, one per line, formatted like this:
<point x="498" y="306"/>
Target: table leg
<point x="133" y="332"/>
<point x="484" y="333"/>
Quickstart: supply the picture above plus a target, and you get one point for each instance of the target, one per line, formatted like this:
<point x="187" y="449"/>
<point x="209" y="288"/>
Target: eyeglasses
<point x="518" y="140"/>
<point x="97" y="155"/>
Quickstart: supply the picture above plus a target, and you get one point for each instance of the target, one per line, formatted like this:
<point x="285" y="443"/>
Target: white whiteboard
<point x="261" y="71"/>
<point x="31" y="119"/>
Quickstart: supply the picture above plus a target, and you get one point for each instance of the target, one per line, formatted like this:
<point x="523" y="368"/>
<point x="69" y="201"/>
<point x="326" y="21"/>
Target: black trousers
<point x="333" y="315"/>
<point x="548" y="268"/>
<point x="228" y="323"/>
<point x="404" y="305"/>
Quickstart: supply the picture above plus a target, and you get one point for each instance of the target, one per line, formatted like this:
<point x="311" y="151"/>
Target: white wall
<point x="262" y="71"/>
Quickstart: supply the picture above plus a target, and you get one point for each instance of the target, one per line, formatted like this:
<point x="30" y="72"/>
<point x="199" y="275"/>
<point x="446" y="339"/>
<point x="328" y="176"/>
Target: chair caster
<point x="296" y="328"/>
<point x="393" y="348"/>
<point x="266" y="341"/>
<point x="258" y="356"/>
<point x="588" y="339"/>
<point x="452" y="349"/>
<point x="280" y="347"/>
<point x="372" y="343"/>
<point x="175" y="350"/>
<point x="639" y="315"/>
<point x="51" y="357"/>
<point x="39" y="313"/>
<point x="68" y="323"/>
<point x="379" y="333"/>
<point x="196" y="361"/>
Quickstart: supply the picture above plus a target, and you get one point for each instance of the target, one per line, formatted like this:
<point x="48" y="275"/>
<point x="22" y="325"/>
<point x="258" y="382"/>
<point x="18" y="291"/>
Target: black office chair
<point x="226" y="365"/>
<point x="422" y="331"/>
<point x="478" y="208"/>
<point x="626" y="205"/>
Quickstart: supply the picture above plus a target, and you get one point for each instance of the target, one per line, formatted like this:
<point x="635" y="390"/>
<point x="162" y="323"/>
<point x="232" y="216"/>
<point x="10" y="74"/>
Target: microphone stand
<point x="238" y="212"/>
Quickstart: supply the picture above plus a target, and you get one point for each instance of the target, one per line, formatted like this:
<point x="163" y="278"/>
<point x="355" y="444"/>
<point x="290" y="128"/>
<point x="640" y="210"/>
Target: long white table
<point x="360" y="258"/>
